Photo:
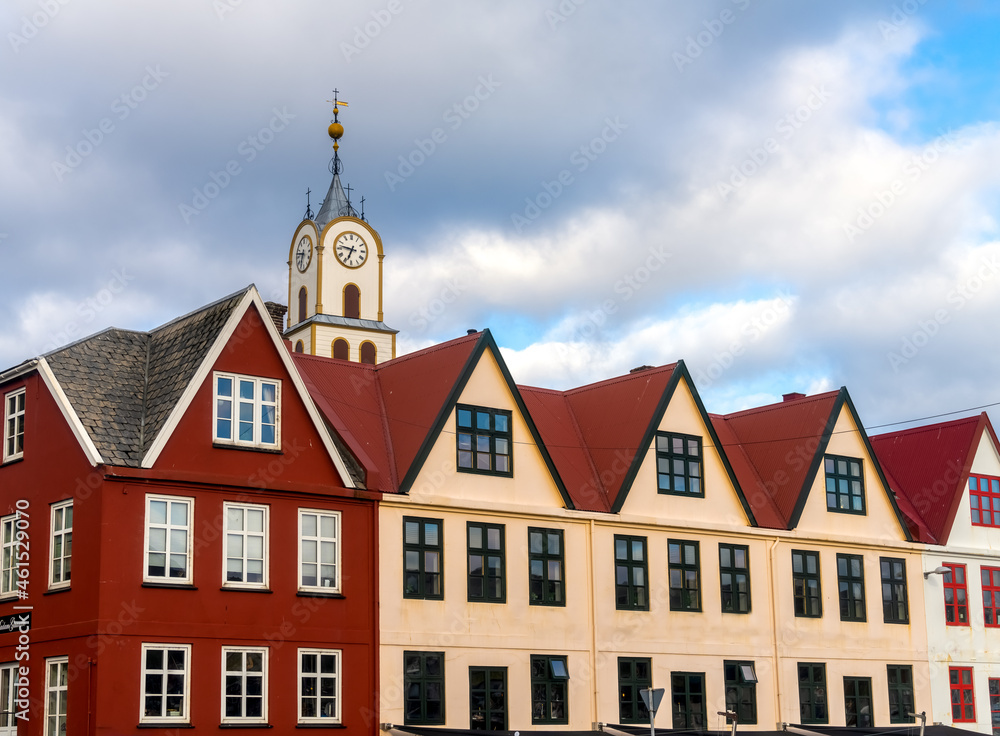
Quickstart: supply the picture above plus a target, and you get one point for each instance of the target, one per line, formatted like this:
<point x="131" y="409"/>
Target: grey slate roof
<point x="335" y="205"/>
<point x="334" y="319"/>
<point x="124" y="384"/>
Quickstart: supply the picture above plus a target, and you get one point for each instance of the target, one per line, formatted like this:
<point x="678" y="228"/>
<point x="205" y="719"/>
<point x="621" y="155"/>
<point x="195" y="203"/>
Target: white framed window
<point x="246" y="411"/>
<point x="244" y="684"/>
<point x="166" y="683"/>
<point x="8" y="556"/>
<point x="246" y="546"/>
<point x="169" y="521"/>
<point x="61" y="544"/>
<point x="319" y="685"/>
<point x="56" y="686"/>
<point x="8" y="710"/>
<point x="319" y="550"/>
<point x="13" y="425"/>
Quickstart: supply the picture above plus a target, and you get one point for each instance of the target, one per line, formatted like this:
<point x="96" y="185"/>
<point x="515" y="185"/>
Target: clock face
<point x="351" y="250"/>
<point x="303" y="253"/>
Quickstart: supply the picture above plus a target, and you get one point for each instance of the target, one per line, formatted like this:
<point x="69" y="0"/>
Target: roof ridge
<point x="620" y="379"/>
<point x="384" y="421"/>
<point x="928" y="427"/>
<point x="82" y="340"/>
<point x="431" y="349"/>
<point x="204" y="308"/>
<point x="781" y="404"/>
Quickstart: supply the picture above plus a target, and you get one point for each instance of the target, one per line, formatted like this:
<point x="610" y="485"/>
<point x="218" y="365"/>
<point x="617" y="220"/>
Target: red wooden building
<point x="184" y="545"/>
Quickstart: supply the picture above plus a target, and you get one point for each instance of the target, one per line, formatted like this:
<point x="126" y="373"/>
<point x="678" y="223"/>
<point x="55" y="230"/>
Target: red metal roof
<point x="928" y="468"/>
<point x="384" y="412"/>
<point x="594" y="432"/>
<point x="771" y="449"/>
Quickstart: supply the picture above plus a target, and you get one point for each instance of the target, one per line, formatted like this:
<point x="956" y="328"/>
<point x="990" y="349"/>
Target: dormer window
<point x="984" y="500"/>
<point x="246" y="411"/>
<point x="845" y="488"/>
<point x="13" y="425"/>
<point x="678" y="464"/>
<point x="484" y="440"/>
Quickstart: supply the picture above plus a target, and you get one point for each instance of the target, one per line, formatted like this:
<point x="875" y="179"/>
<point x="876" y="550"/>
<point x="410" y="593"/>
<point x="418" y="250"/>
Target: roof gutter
<point x="19" y="370"/>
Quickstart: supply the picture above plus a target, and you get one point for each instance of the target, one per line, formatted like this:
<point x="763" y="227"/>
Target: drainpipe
<point x="593" y="620"/>
<point x="774" y="628"/>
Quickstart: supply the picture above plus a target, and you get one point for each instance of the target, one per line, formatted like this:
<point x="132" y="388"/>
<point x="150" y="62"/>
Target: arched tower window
<point x="352" y="301"/>
<point x="303" y="298"/>
<point x="341" y="350"/>
<point x="299" y="347"/>
<point x="368" y="353"/>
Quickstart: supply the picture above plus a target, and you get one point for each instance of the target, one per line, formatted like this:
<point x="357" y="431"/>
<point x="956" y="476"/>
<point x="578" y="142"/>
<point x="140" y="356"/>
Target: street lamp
<point x="731" y="715"/>
<point x="940" y="570"/>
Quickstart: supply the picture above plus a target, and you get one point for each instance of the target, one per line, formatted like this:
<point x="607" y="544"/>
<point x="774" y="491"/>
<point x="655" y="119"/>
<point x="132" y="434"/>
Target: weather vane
<point x="336" y="131"/>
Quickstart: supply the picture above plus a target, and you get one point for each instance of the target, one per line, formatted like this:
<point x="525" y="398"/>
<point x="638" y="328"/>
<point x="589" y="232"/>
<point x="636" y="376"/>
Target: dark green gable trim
<point x="484" y="343"/>
<point x="680" y="371"/>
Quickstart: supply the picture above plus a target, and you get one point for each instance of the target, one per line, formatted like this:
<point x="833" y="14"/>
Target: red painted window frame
<point x="990" y="578"/>
<point x="977" y="496"/>
<point x="956" y="588"/>
<point x="961" y="687"/>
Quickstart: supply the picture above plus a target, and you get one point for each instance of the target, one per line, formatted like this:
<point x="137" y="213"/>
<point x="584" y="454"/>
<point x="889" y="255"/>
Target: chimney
<point x="641" y="368"/>
<point x="792" y="397"/>
<point x="471" y="332"/>
<point x="277" y="312"/>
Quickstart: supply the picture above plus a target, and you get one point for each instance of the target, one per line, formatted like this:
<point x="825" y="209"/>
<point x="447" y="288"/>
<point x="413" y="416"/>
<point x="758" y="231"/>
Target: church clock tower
<point x="335" y="277"/>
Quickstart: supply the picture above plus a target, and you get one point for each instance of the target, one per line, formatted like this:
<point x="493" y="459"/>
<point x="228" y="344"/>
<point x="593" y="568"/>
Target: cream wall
<point x="297" y="279"/>
<point x="326" y="334"/>
<point x="335" y="275"/>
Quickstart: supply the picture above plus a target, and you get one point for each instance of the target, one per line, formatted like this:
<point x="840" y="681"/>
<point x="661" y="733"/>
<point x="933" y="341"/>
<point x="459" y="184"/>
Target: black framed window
<point x="741" y="690"/>
<point x="422" y="550"/>
<point x="488" y="698"/>
<point x="486" y="563"/>
<point x="734" y="578"/>
<point x="851" y="584"/>
<point x="845" y="487"/>
<point x="423" y="685"/>
<point x="549" y="689"/>
<point x="678" y="464"/>
<point x="812" y="693"/>
<point x="685" y="575"/>
<point x="858" y="702"/>
<point x="994" y="689"/>
<point x="895" y="604"/>
<point x="687" y="693"/>
<point x="546" y="567"/>
<point x="806" y="590"/>
<point x="630" y="573"/>
<point x="635" y="674"/>
<point x="900" y="679"/>
<point x="484" y="440"/>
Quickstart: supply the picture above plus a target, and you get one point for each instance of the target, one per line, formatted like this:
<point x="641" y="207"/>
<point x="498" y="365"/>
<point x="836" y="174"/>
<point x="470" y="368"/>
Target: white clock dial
<point x="303" y="253"/>
<point x="351" y="250"/>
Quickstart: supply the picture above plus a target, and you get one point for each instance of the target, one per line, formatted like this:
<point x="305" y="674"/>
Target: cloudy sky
<point x="790" y="196"/>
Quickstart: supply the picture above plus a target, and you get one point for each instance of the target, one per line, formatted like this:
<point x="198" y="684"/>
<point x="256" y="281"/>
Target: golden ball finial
<point x="336" y="131"/>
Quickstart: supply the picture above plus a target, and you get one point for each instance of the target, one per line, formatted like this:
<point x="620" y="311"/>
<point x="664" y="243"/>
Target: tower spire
<point x="337" y="203"/>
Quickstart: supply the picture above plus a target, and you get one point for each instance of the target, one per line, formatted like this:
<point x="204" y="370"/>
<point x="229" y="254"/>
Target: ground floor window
<point x="858" y="701"/>
<point x="488" y="698"/>
<point x="8" y="679"/>
<point x="687" y="692"/>
<point x="319" y="686"/>
<point x="634" y="676"/>
<point x="963" y="701"/>
<point x="56" y="690"/>
<point x="165" y="682"/>
<point x="423" y="683"/>
<point x="995" y="705"/>
<point x="549" y="683"/>
<point x="741" y="690"/>
<point x="812" y="693"/>
<point x="900" y="677"/>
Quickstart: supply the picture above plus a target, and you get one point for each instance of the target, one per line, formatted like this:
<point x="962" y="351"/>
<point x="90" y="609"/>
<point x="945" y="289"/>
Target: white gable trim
<point x="69" y="413"/>
<point x="252" y="297"/>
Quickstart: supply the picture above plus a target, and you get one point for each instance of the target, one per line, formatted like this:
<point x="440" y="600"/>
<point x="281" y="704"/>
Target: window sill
<point x="247" y="448"/>
<point x="319" y="594"/>
<point x="245" y="725"/>
<point x="53" y="591"/>
<point x="233" y="588"/>
<point x="174" y="586"/>
<point x="165" y="724"/>
<point x="12" y="460"/>
<point x="320" y="725"/>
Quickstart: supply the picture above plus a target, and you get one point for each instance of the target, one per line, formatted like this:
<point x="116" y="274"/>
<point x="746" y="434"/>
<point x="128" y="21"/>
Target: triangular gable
<point x="942" y="452"/>
<point x="765" y="511"/>
<point x="483" y="344"/>
<point x="680" y="373"/>
<point x="250" y="299"/>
